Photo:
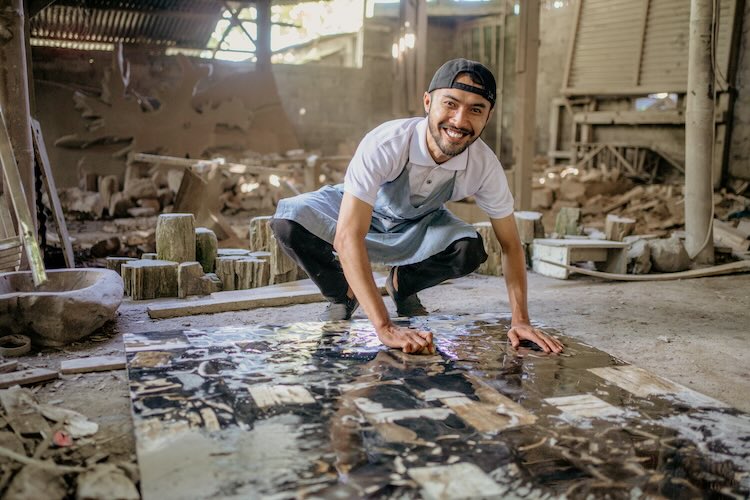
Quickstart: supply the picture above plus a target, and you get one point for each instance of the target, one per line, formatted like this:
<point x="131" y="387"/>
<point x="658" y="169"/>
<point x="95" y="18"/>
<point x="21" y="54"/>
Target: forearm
<point x="358" y="271"/>
<point x="514" y="269"/>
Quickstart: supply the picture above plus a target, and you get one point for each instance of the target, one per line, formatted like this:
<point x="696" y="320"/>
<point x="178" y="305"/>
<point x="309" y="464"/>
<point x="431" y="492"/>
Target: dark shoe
<point x="339" y="311"/>
<point x="406" y="306"/>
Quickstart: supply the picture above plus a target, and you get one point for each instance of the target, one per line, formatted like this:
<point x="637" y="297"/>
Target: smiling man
<point x="390" y="209"/>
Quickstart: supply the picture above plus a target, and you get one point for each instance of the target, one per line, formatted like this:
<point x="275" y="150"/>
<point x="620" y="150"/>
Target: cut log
<point x="529" y="226"/>
<point x="206" y="248"/>
<point x="568" y="221"/>
<point x="251" y="272"/>
<point x="260" y="234"/>
<point x="617" y="228"/>
<point x="283" y="269"/>
<point x="493" y="266"/>
<point x="192" y="281"/>
<point x="175" y="237"/>
<point x="115" y="263"/>
<point x="150" y="279"/>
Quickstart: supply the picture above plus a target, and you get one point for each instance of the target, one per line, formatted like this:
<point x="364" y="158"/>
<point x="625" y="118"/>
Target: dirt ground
<point x="694" y="332"/>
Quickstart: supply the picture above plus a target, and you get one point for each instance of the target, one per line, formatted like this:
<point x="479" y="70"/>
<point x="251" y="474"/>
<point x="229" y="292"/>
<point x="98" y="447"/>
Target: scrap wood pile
<point x="602" y="204"/>
<point x="47" y="451"/>
<point x="109" y="217"/>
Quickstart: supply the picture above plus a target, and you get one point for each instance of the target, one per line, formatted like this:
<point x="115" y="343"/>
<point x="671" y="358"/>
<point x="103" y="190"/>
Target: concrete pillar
<point x="699" y="134"/>
<point x="527" y="57"/>
<point x="14" y="95"/>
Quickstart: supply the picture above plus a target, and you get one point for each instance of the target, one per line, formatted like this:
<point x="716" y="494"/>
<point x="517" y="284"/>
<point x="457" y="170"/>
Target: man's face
<point x="455" y="119"/>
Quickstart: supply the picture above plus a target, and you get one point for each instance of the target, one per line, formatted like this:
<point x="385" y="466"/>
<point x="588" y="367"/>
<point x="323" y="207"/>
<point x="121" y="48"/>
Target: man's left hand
<point x="520" y="332"/>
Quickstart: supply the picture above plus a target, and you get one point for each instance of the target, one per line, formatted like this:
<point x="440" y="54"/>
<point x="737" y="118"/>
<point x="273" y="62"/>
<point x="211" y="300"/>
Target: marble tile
<point x="323" y="410"/>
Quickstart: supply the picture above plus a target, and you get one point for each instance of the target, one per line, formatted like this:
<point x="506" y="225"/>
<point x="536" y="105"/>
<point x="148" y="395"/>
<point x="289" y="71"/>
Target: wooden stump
<point x="493" y="266"/>
<point x="242" y="272"/>
<point x="115" y="263"/>
<point x="617" y="228"/>
<point x="568" y="221"/>
<point x="206" y="248"/>
<point x="175" y="237"/>
<point x="192" y="281"/>
<point x="529" y="226"/>
<point x="150" y="279"/>
<point x="260" y="234"/>
<point x="251" y="273"/>
<point x="283" y="269"/>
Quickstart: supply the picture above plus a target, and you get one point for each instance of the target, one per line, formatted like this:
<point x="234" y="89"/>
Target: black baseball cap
<point x="446" y="75"/>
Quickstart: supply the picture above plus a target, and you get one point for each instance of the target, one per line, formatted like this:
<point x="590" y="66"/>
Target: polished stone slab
<point x="323" y="410"/>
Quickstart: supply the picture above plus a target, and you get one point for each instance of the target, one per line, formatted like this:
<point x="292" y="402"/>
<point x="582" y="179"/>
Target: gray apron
<point x="400" y="233"/>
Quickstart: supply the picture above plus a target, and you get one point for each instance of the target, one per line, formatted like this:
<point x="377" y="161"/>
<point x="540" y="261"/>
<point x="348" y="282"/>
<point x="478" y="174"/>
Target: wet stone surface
<point x="323" y="410"/>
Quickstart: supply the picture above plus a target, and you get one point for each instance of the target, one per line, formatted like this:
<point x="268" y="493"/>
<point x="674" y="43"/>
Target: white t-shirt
<point x="384" y="151"/>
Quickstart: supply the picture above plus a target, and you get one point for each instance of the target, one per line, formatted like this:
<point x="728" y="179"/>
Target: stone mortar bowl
<point x="70" y="305"/>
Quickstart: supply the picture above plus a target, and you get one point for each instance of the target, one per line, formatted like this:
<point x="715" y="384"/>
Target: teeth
<point x="453" y="134"/>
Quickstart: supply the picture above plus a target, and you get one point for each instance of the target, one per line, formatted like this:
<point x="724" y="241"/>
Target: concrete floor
<point x="694" y="332"/>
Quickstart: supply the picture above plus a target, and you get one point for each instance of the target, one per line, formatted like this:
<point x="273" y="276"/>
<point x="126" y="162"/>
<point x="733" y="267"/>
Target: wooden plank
<point x="8" y="366"/>
<point x="26" y="377"/>
<point x="14" y="186"/>
<point x="49" y="185"/>
<point x="580" y="243"/>
<point x="92" y="364"/>
<point x="244" y="299"/>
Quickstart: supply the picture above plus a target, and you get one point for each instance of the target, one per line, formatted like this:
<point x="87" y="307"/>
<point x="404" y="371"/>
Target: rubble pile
<point x="47" y="451"/>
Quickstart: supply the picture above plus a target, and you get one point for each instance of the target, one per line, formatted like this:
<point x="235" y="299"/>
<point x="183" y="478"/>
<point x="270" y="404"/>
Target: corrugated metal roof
<point x="172" y="23"/>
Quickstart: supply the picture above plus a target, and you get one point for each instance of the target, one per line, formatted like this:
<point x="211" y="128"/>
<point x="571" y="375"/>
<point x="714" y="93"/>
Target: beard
<point x="449" y="148"/>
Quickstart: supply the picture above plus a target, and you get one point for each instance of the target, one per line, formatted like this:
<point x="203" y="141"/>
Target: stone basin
<point x="70" y="305"/>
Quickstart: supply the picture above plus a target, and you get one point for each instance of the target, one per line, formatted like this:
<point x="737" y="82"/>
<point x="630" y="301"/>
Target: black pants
<point x="317" y="258"/>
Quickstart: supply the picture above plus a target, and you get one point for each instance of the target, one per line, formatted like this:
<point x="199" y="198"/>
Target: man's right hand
<point x="409" y="340"/>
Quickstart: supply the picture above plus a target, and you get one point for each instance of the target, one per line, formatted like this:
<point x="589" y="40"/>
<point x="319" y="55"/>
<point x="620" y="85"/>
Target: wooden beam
<point x="14" y="98"/>
<point x="14" y="186"/>
<point x="672" y="117"/>
<point x="527" y="57"/>
<point x="235" y="168"/>
<point x="49" y="185"/>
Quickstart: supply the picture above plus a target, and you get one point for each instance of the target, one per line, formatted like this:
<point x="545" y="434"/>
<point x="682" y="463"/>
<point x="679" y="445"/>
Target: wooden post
<point x="206" y="248"/>
<point x="14" y="99"/>
<point x="699" y="130"/>
<point x="263" y="37"/>
<point x="527" y="56"/>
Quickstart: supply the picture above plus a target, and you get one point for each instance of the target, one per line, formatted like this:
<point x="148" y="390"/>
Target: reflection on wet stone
<point x="323" y="410"/>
